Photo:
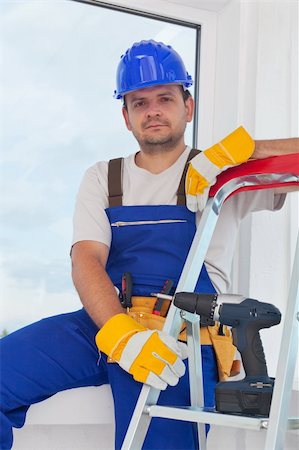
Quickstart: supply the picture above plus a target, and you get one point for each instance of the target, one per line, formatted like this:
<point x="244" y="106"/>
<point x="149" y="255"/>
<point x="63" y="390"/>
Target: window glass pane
<point x="58" y="118"/>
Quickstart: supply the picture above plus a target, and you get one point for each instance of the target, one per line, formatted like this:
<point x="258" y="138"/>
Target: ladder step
<point x="293" y="423"/>
<point x="209" y="415"/>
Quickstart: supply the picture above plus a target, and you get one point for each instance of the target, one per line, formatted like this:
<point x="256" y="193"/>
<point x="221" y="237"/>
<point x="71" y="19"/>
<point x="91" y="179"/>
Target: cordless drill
<point x="246" y="316"/>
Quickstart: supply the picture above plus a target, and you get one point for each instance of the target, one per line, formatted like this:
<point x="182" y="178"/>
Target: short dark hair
<point x="185" y="93"/>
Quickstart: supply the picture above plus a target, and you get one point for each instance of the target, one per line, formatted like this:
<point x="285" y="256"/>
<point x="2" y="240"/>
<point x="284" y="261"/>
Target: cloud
<point x="51" y="269"/>
<point x="25" y="304"/>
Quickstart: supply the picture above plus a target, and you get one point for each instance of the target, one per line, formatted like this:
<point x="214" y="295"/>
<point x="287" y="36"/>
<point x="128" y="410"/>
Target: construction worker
<point x="137" y="223"/>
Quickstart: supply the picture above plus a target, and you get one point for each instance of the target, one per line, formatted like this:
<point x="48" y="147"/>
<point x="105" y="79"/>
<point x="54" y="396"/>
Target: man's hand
<point x="233" y="150"/>
<point x="151" y="356"/>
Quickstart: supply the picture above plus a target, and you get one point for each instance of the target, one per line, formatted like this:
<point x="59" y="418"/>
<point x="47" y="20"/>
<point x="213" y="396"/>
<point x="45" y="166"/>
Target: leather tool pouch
<point x="142" y="312"/>
<point x="225" y="352"/>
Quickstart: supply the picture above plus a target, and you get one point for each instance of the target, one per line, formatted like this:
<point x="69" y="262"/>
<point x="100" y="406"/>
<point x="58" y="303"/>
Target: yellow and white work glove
<point x="151" y="356"/>
<point x="203" y="169"/>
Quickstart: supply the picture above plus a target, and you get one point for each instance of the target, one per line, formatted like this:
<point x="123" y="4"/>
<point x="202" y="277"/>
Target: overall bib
<point x="152" y="242"/>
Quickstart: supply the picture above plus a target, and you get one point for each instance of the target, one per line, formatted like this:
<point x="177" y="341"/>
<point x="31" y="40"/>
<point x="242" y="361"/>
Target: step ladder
<point x="268" y="173"/>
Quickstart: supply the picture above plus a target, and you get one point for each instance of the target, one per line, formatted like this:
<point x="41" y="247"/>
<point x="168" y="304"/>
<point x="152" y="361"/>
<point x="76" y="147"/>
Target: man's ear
<point x="189" y="104"/>
<point x="126" y="117"/>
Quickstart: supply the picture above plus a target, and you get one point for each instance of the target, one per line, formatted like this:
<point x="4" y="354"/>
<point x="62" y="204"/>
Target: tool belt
<point x="142" y="311"/>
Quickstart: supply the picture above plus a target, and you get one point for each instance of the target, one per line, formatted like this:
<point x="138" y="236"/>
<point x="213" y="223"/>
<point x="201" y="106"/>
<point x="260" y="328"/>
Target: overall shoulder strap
<point x="115" y="192"/>
<point x="115" y="168"/>
<point x="181" y="201"/>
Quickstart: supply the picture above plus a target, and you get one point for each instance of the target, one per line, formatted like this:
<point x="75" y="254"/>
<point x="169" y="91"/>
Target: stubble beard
<point x="158" y="144"/>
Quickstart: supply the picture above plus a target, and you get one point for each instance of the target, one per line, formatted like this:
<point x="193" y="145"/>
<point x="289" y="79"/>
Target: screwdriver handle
<point x="126" y="289"/>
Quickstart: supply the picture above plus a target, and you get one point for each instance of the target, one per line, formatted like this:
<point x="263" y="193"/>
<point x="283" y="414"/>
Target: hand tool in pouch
<point x="165" y="291"/>
<point x="126" y="290"/>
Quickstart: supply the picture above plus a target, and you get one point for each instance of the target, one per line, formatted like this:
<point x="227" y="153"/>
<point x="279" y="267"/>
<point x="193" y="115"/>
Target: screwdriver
<point x="164" y="291"/>
<point x="126" y="289"/>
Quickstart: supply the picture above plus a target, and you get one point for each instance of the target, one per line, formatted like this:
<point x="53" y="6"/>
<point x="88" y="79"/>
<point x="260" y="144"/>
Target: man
<point x="145" y="232"/>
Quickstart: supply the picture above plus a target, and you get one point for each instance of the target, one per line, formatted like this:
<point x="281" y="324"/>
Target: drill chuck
<point x="207" y="306"/>
<point x="201" y="304"/>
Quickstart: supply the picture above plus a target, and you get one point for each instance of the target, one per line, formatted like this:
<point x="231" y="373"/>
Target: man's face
<point x="158" y="116"/>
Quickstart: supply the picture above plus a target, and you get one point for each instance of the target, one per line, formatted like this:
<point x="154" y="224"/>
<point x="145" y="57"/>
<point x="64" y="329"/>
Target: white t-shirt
<point x="141" y="187"/>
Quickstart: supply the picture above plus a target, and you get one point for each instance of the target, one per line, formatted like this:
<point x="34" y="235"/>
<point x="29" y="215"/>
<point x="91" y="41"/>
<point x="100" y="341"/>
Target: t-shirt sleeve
<point x="258" y="200"/>
<point x="220" y="253"/>
<point x="90" y="221"/>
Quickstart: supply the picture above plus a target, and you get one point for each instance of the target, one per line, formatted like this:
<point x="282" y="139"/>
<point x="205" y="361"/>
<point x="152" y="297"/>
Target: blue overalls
<point x="59" y="352"/>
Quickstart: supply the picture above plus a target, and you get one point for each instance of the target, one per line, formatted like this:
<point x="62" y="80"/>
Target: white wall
<point x="257" y="84"/>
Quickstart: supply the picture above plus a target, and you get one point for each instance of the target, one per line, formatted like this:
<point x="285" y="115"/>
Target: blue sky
<point x="58" y="117"/>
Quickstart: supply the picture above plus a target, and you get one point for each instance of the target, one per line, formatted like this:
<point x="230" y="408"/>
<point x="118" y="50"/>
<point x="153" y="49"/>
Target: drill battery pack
<point x="246" y="397"/>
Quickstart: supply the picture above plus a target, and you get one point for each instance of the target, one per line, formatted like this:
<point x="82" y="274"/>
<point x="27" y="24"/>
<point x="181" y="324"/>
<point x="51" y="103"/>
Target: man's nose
<point x="153" y="110"/>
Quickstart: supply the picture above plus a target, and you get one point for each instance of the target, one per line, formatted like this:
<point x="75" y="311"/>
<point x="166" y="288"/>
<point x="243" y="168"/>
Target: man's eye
<point x="138" y="104"/>
<point x="165" y="99"/>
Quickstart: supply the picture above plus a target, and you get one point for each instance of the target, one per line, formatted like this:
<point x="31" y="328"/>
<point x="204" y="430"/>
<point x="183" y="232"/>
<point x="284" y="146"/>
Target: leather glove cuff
<point x="116" y="330"/>
<point x="234" y="149"/>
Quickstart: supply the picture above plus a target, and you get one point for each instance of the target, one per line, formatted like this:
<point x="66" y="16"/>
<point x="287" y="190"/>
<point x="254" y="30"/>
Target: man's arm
<point x="150" y="356"/>
<point x="92" y="282"/>
<point x="233" y="150"/>
<point x="275" y="147"/>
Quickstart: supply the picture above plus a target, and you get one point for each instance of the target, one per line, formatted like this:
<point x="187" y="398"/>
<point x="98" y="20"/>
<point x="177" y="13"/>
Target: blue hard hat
<point x="150" y="63"/>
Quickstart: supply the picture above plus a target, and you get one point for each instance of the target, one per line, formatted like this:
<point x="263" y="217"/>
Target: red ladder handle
<point x="283" y="164"/>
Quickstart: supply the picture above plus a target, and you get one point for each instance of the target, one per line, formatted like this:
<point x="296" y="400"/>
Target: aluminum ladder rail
<point x="277" y="422"/>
